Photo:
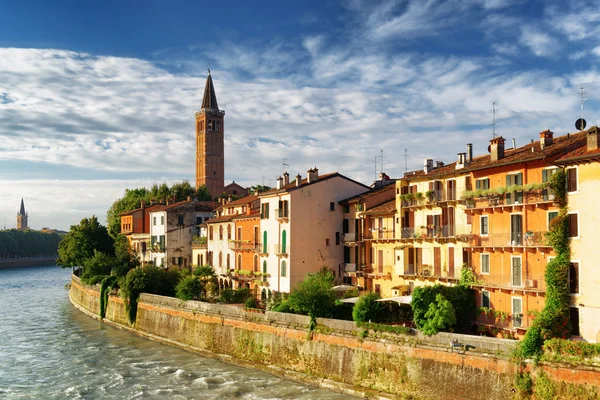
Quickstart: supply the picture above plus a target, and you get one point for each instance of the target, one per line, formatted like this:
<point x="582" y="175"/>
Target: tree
<point x="313" y="295"/>
<point x="203" y="194"/>
<point x="440" y="316"/>
<point x="125" y="257"/>
<point x="79" y="244"/>
<point x="259" y="189"/>
<point x="96" y="268"/>
<point x="189" y="288"/>
<point x="366" y="308"/>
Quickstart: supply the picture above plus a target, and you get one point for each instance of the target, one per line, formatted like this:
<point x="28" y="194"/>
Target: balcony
<point x="157" y="248"/>
<point x="428" y="271"/>
<point x="242" y="275"/>
<point x="282" y="214"/>
<point x="381" y="271"/>
<point x="350" y="238"/>
<point x="510" y="240"/>
<point x="379" y="234"/>
<point x="499" y="202"/>
<point x="245" y="245"/>
<point x="436" y="232"/>
<point x="526" y="282"/>
<point x="199" y="242"/>
<point x="281" y="250"/>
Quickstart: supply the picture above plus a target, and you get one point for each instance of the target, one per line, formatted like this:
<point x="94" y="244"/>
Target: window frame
<point x="569" y="222"/>
<point x="489" y="268"/>
<point x="489" y="299"/>
<point x="487" y="225"/>
<point x="576" y="169"/>
<point x="578" y="277"/>
<point x="548" y="220"/>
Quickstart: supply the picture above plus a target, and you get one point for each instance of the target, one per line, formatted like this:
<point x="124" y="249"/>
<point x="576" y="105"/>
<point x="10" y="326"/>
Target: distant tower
<point x="22" y="217"/>
<point x="210" y="149"/>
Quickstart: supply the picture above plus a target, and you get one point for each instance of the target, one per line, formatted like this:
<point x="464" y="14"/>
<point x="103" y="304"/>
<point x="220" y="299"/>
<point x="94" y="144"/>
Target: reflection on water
<point x="50" y="350"/>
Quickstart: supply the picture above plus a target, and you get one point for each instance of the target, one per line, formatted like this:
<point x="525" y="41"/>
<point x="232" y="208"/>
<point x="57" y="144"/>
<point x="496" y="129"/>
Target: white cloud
<point x="540" y="43"/>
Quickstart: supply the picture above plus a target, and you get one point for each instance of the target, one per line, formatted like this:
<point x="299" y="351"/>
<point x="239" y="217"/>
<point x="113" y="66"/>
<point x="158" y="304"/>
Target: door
<point x="256" y="235"/>
<point x="451" y="214"/>
<point x="380" y="261"/>
<point x="517" y="312"/>
<point x="437" y="261"/>
<point x="517" y="279"/>
<point x="451" y="262"/>
<point x="516" y="230"/>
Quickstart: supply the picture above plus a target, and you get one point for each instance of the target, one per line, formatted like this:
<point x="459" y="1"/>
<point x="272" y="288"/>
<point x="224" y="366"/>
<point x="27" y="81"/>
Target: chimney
<point x="313" y="175"/>
<point x="143" y="204"/>
<point x="279" y="182"/>
<point x="469" y="154"/>
<point x="497" y="148"/>
<point x="286" y="178"/>
<point x="546" y="138"/>
<point x="298" y="180"/>
<point x="593" y="138"/>
<point x="427" y="165"/>
<point x="439" y="164"/>
<point x="460" y="159"/>
<point x="514" y="144"/>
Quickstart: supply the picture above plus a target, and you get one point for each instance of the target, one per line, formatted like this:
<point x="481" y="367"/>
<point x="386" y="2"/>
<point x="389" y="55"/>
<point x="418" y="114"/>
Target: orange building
<point x="510" y="209"/>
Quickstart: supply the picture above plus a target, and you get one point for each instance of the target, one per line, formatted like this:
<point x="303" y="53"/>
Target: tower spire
<point x="209" y="101"/>
<point x="22" y="210"/>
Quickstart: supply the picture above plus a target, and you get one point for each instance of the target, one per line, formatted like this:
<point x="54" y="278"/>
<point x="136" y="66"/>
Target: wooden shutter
<point x="573" y="225"/>
<point x="478" y="184"/>
<point x="437" y="261"/>
<point x="451" y="262"/>
<point x="468" y="185"/>
<point x="574" y="277"/>
<point x="544" y="175"/>
<point x="572" y="179"/>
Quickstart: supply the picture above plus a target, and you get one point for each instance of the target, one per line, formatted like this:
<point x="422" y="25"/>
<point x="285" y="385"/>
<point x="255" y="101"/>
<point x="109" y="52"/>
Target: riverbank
<point x="27" y="262"/>
<point x="339" y="356"/>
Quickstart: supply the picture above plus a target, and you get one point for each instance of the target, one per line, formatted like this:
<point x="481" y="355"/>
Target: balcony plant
<point x="419" y="196"/>
<point x="429" y="194"/>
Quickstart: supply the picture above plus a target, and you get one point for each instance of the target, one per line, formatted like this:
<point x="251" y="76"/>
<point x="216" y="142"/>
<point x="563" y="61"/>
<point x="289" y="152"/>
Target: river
<point x="50" y="350"/>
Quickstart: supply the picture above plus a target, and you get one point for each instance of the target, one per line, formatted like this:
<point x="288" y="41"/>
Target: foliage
<point x="283" y="307"/>
<point x="28" y="243"/>
<point x="467" y="277"/>
<point x="523" y="382"/>
<point x="259" y="189"/>
<point x="147" y="279"/>
<point x="231" y="296"/>
<point x="461" y="298"/>
<point x="96" y="268"/>
<point x="204" y="270"/>
<point x="576" y="352"/>
<point x="251" y="302"/>
<point x="105" y="287"/>
<point x="397" y="329"/>
<point x="313" y="296"/>
<point x="79" y="244"/>
<point x="440" y="316"/>
<point x="125" y="258"/>
<point x="189" y="288"/>
<point x="553" y="321"/>
<point x="366" y="308"/>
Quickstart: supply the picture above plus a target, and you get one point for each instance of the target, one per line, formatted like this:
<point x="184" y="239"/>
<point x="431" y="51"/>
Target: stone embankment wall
<point x="27" y="262"/>
<point x="335" y="357"/>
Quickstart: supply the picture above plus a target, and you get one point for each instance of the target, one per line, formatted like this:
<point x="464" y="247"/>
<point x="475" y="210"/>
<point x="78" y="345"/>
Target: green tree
<point x="440" y="316"/>
<point x="125" y="257"/>
<point x="366" y="308"/>
<point x="313" y="296"/>
<point x="97" y="267"/>
<point x="203" y="194"/>
<point x="259" y="189"/>
<point x="79" y="244"/>
<point x="189" y="288"/>
<point x="183" y="190"/>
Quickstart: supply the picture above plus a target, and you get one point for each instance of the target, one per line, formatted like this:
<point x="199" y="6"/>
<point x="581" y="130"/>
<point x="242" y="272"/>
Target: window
<point x="574" y="319"/>
<point x="517" y="311"/>
<point x="483" y="229"/>
<point x="265" y="242"/>
<point x="327" y="242"/>
<point x="283" y="209"/>
<point x="514" y="180"/>
<point x="574" y="277"/>
<point x="571" y="179"/>
<point x="264" y="267"/>
<point x="221" y="232"/>
<point x="485" y="263"/>
<point x="337" y="238"/>
<point x="162" y="219"/>
<point x="346" y="225"/>
<point x="255" y="264"/>
<point x="378" y="289"/>
<point x="551" y="216"/>
<point x="239" y="262"/>
<point x="220" y="259"/>
<point x="573" y="225"/>
<point x="154" y="221"/>
<point x="179" y="220"/>
<point x="517" y="272"/>
<point x="485" y="299"/>
<point x="228" y="262"/>
<point x="264" y="211"/>
<point x="210" y="233"/>
<point x="283" y="242"/>
<point x="198" y="220"/>
<point x="483" y="184"/>
<point x="546" y="177"/>
<point x="228" y="232"/>
<point x="283" y="269"/>
<point x="174" y="260"/>
<point x="239" y="233"/>
<point x="332" y="206"/>
<point x="346" y="209"/>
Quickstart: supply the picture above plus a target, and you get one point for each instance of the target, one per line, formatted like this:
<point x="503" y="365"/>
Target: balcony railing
<point x="282" y="213"/>
<point x="459" y="232"/>
<point x="517" y="239"/>
<point x="244" y="245"/>
<point x="524" y="281"/>
<point x="381" y="269"/>
<point x="516" y="198"/>
<point x="350" y="267"/>
<point x="350" y="237"/>
<point x="379" y="234"/>
<point x="425" y="270"/>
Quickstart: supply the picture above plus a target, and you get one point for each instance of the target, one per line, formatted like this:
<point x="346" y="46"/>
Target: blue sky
<point x="96" y="97"/>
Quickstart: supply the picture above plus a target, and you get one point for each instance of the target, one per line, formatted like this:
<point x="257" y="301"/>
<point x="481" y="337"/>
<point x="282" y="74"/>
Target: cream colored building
<point x="301" y="227"/>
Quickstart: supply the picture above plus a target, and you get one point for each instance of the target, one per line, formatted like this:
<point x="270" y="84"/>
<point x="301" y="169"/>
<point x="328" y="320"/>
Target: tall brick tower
<point x="22" y="217"/>
<point x="210" y="149"/>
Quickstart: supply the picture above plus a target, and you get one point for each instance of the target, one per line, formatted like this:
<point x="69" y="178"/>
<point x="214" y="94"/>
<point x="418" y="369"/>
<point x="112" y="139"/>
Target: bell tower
<point x="210" y="149"/>
<point x="22" y="217"/>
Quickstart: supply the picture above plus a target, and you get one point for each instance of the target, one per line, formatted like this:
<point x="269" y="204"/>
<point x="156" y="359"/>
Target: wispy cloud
<point x="540" y="43"/>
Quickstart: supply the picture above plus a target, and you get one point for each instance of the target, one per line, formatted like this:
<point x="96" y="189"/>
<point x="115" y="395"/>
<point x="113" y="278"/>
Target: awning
<point x="399" y="299"/>
<point x="344" y="288"/>
<point x="351" y="300"/>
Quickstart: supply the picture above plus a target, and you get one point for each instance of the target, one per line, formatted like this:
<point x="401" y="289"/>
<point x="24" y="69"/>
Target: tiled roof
<point x="304" y="182"/>
<point x="240" y="202"/>
<point x="253" y="214"/>
<point x="369" y="193"/>
<point x="153" y="207"/>
<point x="389" y="207"/>
<point x="222" y="218"/>
<point x="198" y="205"/>
<point x="581" y="152"/>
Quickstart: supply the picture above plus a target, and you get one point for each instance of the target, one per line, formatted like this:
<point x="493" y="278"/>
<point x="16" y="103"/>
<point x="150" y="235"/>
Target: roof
<point x="153" y="207"/>
<point x="22" y="210"/>
<point x="210" y="98"/>
<point x="388" y="207"/>
<point x="253" y="214"/>
<point x="304" y="182"/>
<point x="198" y="205"/>
<point x="222" y="218"/>
<point x="369" y="193"/>
<point x="581" y="153"/>
<point x="561" y="145"/>
<point x="240" y="202"/>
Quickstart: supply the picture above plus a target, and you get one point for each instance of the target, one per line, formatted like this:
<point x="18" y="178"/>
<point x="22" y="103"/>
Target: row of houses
<point x="487" y="214"/>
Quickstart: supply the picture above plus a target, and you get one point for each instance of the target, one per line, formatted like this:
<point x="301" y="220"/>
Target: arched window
<point x="255" y="266"/>
<point x="228" y="263"/>
<point x="228" y="232"/>
<point x="265" y="242"/>
<point x="283" y="242"/>
<point x="210" y="233"/>
<point x="283" y="268"/>
<point x="221" y="232"/>
<point x="220" y="259"/>
<point x="239" y="261"/>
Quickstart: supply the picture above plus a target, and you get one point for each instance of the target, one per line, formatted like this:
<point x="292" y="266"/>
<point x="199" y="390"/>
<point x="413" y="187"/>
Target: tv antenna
<point x="283" y="165"/>
<point x="580" y="123"/>
<point x="405" y="160"/>
<point x="493" y="119"/>
<point x="375" y="169"/>
<point x="381" y="160"/>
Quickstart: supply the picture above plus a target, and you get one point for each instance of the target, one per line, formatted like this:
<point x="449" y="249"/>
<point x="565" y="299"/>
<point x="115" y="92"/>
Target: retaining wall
<point x="336" y="357"/>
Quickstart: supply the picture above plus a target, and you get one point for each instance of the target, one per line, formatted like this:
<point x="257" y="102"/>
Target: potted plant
<point x="429" y="194"/>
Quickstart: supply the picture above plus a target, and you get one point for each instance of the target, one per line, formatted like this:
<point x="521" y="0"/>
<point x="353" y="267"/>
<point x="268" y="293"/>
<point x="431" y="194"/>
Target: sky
<point x="97" y="97"/>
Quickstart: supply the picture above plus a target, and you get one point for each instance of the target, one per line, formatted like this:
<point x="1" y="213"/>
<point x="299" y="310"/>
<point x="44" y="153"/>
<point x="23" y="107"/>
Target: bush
<point x="461" y="298"/>
<point x="251" y="302"/>
<point x="105" y="286"/>
<point x="189" y="288"/>
<point x="204" y="270"/>
<point x="313" y="296"/>
<point x="284" y="307"/>
<point x="96" y="268"/>
<point x="440" y="316"/>
<point x="366" y="308"/>
<point x="230" y="296"/>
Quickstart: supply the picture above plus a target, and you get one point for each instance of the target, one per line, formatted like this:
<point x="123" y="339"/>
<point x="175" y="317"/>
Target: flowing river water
<point x="50" y="350"/>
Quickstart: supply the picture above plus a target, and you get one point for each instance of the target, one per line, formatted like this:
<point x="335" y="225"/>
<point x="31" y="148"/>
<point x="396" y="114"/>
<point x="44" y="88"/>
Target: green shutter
<point x="520" y="178"/>
<point x="478" y="184"/>
<point x="507" y="180"/>
<point x="264" y="267"/>
<point x="265" y="242"/>
<point x="545" y="175"/>
<point x="283" y="242"/>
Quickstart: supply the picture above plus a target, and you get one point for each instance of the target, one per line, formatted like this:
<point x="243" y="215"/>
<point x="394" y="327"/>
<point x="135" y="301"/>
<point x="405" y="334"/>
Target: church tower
<point x="22" y="217"/>
<point x="210" y="149"/>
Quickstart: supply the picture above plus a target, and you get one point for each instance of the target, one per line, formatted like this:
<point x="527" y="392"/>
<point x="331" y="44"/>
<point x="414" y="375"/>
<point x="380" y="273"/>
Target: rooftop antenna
<point x="581" y="123"/>
<point x="493" y="119"/>
<point x="381" y="160"/>
<point x="405" y="160"/>
<point x="262" y="179"/>
<point x="283" y="165"/>
<point x="375" y="169"/>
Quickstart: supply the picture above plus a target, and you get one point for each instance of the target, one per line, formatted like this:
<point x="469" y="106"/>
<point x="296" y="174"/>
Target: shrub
<point x="284" y="307"/>
<point x="105" y="286"/>
<point x="204" y="270"/>
<point x="313" y="296"/>
<point x="189" y="288"/>
<point x="461" y="298"/>
<point x="251" y="302"/>
<point x="96" y="268"/>
<point x="440" y="316"/>
<point x="231" y="296"/>
<point x="366" y="308"/>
